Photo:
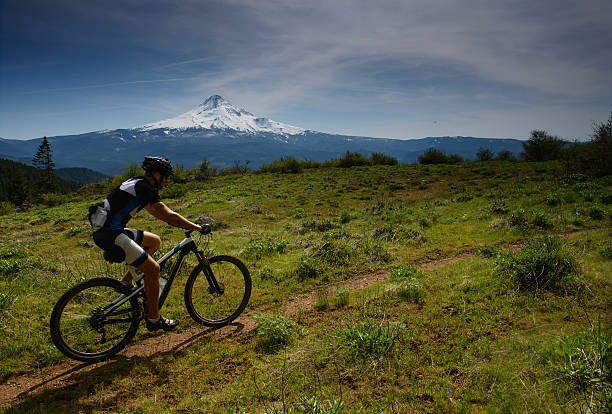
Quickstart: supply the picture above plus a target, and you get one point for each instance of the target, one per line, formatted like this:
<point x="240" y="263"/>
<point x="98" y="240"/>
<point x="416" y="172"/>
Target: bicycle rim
<point x="78" y="328"/>
<point x="215" y="309"/>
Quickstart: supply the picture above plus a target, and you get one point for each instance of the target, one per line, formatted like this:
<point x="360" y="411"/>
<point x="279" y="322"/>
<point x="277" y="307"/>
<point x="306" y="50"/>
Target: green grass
<point x="450" y="339"/>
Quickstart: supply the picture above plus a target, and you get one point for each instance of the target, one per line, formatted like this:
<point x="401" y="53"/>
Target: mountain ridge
<point x="109" y="151"/>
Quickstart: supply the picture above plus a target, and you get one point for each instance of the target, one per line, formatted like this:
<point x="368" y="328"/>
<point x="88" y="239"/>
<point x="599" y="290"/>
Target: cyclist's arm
<point x="161" y="211"/>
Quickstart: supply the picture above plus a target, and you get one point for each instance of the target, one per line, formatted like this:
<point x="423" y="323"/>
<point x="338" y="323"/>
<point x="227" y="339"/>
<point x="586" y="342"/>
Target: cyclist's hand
<point x="206" y="229"/>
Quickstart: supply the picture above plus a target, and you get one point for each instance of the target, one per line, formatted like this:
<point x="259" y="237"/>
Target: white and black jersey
<point x="128" y="199"/>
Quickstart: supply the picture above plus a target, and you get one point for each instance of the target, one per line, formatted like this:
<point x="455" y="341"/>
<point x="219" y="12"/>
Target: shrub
<point x="540" y="219"/>
<point x="409" y="287"/>
<point x="266" y="273"/>
<point x="499" y="207"/>
<point x="264" y="247"/>
<point x="352" y="159"/>
<point x="518" y="217"/>
<point x="435" y="156"/>
<point x="595" y="212"/>
<point x="606" y="198"/>
<point x="235" y="169"/>
<point x="341" y="297"/>
<point x="132" y="170"/>
<point x="585" y="359"/>
<point x="553" y="199"/>
<point x="321" y="300"/>
<point x="345" y="217"/>
<point x="542" y="263"/>
<point x="487" y="251"/>
<point x="484" y="154"/>
<point x="317" y="225"/>
<point x="392" y="233"/>
<point x="6" y="207"/>
<point x="284" y="165"/>
<point x="506" y="155"/>
<point x="206" y="170"/>
<point x="606" y="251"/>
<point x="542" y="147"/>
<point x="6" y="300"/>
<point x="369" y="339"/>
<point x="273" y="331"/>
<point x="308" y="268"/>
<point x="378" y="158"/>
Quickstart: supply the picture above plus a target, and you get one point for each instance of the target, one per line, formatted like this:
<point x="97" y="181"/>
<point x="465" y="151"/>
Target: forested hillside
<point x="18" y="177"/>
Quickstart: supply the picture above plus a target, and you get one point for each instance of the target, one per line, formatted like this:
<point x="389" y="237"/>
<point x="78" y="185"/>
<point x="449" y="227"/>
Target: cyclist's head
<point x="151" y="165"/>
<point x="157" y="164"/>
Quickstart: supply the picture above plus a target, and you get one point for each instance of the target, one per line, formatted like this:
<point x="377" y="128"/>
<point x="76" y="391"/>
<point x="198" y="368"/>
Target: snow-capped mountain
<point x="217" y="113"/>
<point x="223" y="134"/>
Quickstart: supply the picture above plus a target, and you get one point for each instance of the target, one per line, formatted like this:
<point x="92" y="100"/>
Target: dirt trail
<point x="68" y="371"/>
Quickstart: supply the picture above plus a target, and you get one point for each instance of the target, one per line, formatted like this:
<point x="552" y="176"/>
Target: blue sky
<point x="386" y="68"/>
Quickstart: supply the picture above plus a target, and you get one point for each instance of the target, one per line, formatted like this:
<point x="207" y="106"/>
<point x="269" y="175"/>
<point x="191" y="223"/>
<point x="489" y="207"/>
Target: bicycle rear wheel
<point x="214" y="306"/>
<point x="79" y="327"/>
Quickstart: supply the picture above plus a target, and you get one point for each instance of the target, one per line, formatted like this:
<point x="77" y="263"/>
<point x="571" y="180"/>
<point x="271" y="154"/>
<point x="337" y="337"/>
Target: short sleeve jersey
<point x="128" y="199"/>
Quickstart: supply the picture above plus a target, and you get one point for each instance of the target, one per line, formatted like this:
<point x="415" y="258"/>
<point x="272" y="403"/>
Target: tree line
<point x="20" y="183"/>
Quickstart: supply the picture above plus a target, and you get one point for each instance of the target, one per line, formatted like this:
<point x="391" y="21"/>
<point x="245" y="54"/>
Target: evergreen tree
<point x="17" y="190"/>
<point x="43" y="161"/>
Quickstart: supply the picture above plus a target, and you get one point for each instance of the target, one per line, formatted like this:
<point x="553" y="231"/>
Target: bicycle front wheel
<point x="216" y="294"/>
<point x="86" y="324"/>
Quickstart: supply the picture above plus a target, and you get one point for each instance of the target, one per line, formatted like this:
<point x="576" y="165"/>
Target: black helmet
<point x="152" y="164"/>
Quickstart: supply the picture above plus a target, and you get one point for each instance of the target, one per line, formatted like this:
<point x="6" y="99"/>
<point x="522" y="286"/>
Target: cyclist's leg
<point x="135" y="255"/>
<point x="150" y="268"/>
<point x="148" y="241"/>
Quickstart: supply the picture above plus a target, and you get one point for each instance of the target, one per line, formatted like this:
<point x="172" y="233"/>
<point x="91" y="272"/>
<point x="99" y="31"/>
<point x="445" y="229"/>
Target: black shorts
<point x="121" y="246"/>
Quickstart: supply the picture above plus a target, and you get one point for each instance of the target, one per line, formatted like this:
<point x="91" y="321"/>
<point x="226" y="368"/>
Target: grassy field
<point x="516" y="322"/>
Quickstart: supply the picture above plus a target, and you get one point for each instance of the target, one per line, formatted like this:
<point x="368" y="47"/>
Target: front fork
<point x="213" y="285"/>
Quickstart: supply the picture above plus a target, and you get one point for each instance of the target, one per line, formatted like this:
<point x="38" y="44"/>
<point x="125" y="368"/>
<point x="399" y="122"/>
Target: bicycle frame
<point x="186" y="246"/>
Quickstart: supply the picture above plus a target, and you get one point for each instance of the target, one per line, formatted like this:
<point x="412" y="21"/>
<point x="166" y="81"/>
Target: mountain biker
<point x="135" y="247"/>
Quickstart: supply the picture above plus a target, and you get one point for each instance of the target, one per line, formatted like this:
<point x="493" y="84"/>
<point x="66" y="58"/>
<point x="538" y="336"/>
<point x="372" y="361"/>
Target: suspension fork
<point x="214" y="286"/>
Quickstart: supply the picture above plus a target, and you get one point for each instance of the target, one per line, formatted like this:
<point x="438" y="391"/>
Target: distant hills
<point x="225" y="134"/>
<point x="30" y="177"/>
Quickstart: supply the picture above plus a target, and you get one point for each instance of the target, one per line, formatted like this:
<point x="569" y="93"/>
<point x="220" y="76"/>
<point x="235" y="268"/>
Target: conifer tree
<point x="17" y="190"/>
<point x="43" y="161"/>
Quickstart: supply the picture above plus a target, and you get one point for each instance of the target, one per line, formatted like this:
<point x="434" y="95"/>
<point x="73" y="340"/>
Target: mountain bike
<point x="97" y="318"/>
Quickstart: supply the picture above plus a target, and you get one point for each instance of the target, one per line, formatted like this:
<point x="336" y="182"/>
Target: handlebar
<point x="206" y="229"/>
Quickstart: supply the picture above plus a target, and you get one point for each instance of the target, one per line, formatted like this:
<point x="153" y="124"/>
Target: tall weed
<point x="542" y="263"/>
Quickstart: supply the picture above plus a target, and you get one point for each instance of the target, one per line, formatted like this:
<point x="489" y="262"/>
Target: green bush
<point x="585" y="359"/>
<point x="596" y="212"/>
<point x="369" y="339"/>
<point x="6" y="207"/>
<point x="542" y="147"/>
<point x="606" y="251"/>
<point x="487" y="251"/>
<point x="518" y="217"/>
<point x="174" y="190"/>
<point x="352" y="159"/>
<point x="264" y="247"/>
<point x="273" y="331"/>
<point x="540" y="264"/>
<point x="317" y="225"/>
<point x="378" y="158"/>
<point x="435" y="156"/>
<point x="408" y="285"/>
<point x="541" y="220"/>
<point x="6" y="300"/>
<point x="341" y="297"/>
<point x="345" y="217"/>
<point x="308" y="268"/>
<point x="284" y="165"/>
<point x="553" y="199"/>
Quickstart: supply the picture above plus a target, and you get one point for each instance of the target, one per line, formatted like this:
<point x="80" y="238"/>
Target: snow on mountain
<point x="217" y="113"/>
